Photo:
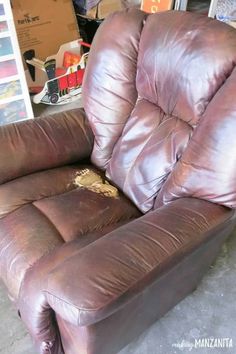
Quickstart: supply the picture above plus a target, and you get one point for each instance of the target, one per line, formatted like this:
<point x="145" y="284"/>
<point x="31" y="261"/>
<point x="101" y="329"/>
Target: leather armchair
<point x="89" y="271"/>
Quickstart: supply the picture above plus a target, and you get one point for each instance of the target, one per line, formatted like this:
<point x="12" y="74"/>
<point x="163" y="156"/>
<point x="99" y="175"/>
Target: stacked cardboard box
<point x="104" y="8"/>
<point x="44" y="25"/>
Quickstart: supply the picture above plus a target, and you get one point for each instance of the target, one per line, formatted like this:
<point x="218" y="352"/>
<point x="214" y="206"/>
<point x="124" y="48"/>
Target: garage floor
<point x="208" y="312"/>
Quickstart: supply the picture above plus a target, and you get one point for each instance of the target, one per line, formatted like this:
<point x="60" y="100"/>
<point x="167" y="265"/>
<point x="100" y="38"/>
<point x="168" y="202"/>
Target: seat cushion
<point x="43" y="210"/>
<point x="80" y="211"/>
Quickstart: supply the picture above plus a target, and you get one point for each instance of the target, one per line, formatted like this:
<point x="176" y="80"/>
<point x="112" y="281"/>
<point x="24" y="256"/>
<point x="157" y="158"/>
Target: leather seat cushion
<point x="80" y="211"/>
<point x="46" y="210"/>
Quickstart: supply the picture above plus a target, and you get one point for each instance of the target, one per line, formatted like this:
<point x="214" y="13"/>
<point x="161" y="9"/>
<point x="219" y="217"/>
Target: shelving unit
<point x="181" y="5"/>
<point x="193" y="5"/>
<point x="223" y="10"/>
<point x="212" y="9"/>
<point x="15" y="101"/>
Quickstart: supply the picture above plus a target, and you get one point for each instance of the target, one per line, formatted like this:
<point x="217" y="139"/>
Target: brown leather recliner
<point x="88" y="271"/>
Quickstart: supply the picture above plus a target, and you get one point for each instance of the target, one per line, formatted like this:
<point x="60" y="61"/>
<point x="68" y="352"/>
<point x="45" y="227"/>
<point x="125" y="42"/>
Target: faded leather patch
<point x="91" y="180"/>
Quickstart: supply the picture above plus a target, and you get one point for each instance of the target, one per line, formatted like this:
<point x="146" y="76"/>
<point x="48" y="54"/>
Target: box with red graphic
<point x="153" y="6"/>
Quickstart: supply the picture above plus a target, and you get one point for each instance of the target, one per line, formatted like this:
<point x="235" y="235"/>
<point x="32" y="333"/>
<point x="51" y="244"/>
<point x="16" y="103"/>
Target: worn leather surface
<point x="25" y="236"/>
<point x="109" y="90"/>
<point x="127" y="323"/>
<point x="81" y="211"/>
<point x="43" y="143"/>
<point x="43" y="208"/>
<point x="151" y="144"/>
<point x="127" y="254"/>
<point x="32" y="302"/>
<point x="207" y="169"/>
<point x="108" y="273"/>
<point x="51" y="211"/>
<point x="159" y="97"/>
<point x="182" y="66"/>
<point x="40" y="185"/>
<point x="180" y="72"/>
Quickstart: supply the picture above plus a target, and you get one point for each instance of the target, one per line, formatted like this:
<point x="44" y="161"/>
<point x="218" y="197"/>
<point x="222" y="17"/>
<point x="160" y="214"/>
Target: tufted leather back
<point x="109" y="90"/>
<point x="164" y="111"/>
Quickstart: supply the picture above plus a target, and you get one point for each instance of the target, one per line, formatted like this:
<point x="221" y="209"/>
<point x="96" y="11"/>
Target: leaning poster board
<point x="44" y="25"/>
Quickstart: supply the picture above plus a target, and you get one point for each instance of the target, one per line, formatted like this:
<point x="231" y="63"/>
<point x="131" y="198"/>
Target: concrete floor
<point x="208" y="312"/>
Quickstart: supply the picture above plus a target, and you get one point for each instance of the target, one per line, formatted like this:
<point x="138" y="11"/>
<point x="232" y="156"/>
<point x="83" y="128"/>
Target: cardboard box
<point x="104" y="8"/>
<point x="153" y="6"/>
<point x="44" y="25"/>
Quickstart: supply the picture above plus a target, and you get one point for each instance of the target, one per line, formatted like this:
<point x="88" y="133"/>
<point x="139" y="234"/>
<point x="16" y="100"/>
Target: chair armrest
<point x="104" y="276"/>
<point x="43" y="143"/>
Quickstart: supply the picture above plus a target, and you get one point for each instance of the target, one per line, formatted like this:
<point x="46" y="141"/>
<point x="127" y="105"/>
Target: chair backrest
<point x="159" y="94"/>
